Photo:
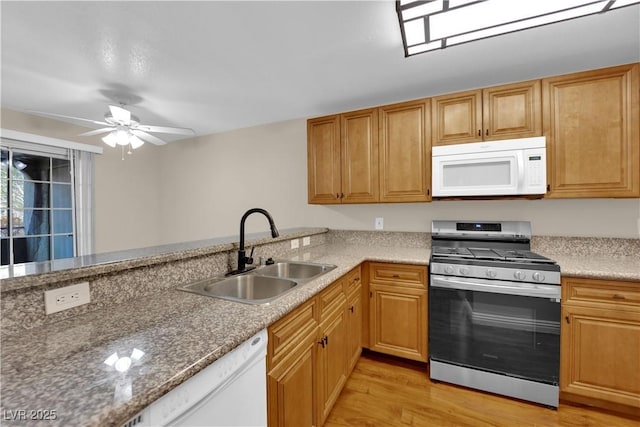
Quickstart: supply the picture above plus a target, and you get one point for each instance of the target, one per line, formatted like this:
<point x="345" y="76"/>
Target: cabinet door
<point x="457" y="118"/>
<point x="512" y="111"/>
<point x="398" y="321"/>
<point x="593" y="133"/>
<point x="354" y="317"/>
<point x="323" y="160"/>
<point x="600" y="352"/>
<point x="405" y="152"/>
<point x="332" y="364"/>
<point x="359" y="139"/>
<point x="290" y="389"/>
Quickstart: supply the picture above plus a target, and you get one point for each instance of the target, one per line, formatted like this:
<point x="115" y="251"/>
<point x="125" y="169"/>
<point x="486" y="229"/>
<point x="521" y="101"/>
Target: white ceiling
<point x="218" y="66"/>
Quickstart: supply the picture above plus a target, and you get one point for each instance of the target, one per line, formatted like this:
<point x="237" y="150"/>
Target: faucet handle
<point x="249" y="259"/>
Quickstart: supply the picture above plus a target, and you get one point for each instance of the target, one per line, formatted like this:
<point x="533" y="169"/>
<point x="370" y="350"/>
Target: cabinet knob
<point x="479" y="132"/>
<point x="486" y="132"/>
<point x="351" y="309"/>
<point x="618" y="296"/>
<point x="566" y="318"/>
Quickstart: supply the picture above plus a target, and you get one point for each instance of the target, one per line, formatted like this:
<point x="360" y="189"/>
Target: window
<point x="45" y="202"/>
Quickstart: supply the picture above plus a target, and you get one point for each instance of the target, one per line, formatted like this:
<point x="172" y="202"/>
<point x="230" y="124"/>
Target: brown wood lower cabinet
<point x="291" y="365"/>
<point x="332" y="349"/>
<point x="354" y="318"/>
<point x="398" y="310"/>
<point x="311" y="352"/>
<point x="600" y="343"/>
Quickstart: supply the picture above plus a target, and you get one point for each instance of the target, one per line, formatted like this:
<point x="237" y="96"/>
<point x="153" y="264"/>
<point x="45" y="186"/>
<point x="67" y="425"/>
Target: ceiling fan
<point x="124" y="128"/>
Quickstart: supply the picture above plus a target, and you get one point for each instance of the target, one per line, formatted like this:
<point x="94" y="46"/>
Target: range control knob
<point x="464" y="271"/>
<point x="538" y="277"/>
<point x="520" y="275"/>
<point x="492" y="274"/>
<point x="448" y="269"/>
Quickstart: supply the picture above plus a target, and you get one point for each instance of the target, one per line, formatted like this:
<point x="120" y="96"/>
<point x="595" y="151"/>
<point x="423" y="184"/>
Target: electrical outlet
<point x="295" y="244"/>
<point x="379" y="223"/>
<point x="306" y="241"/>
<point x="65" y="298"/>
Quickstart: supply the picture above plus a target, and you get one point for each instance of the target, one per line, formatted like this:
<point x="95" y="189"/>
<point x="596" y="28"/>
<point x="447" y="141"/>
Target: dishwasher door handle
<point x="496" y="287"/>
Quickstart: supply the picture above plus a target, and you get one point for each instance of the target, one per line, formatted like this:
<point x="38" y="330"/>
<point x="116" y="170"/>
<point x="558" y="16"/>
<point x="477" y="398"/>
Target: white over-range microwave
<point x="494" y="168"/>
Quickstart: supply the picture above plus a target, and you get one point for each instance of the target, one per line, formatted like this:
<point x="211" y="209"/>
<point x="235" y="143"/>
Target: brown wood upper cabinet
<point x="593" y="133"/>
<point x="368" y="156"/>
<point x="342" y="156"/>
<point x="500" y="112"/>
<point x="405" y="152"/>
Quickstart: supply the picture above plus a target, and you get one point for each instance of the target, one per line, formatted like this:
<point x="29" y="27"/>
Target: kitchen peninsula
<point x="55" y="362"/>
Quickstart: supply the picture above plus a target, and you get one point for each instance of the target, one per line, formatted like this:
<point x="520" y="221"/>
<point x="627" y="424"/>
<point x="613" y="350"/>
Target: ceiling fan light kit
<point x="124" y="129"/>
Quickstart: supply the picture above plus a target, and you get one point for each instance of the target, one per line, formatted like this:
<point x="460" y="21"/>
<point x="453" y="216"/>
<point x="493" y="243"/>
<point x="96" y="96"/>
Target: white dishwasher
<point x="232" y="391"/>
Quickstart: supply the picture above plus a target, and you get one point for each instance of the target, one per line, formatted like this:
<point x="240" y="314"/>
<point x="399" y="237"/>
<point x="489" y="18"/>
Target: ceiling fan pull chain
<point x="122" y="146"/>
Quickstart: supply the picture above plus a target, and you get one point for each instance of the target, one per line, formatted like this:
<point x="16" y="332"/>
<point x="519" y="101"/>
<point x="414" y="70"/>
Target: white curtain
<point x="84" y="210"/>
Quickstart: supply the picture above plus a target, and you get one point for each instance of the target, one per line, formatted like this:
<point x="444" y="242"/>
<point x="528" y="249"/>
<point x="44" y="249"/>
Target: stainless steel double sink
<point x="261" y="285"/>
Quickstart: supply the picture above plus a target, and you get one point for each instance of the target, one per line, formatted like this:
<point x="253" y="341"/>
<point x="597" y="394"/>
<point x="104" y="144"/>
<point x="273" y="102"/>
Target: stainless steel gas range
<point x="494" y="310"/>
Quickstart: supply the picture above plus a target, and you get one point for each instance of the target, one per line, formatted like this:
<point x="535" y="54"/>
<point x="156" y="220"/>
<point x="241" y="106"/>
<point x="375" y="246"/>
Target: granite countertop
<point x="60" y="367"/>
<point x="599" y="266"/>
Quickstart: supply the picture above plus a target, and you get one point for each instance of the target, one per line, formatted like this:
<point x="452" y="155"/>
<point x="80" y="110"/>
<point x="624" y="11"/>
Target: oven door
<point x="496" y="326"/>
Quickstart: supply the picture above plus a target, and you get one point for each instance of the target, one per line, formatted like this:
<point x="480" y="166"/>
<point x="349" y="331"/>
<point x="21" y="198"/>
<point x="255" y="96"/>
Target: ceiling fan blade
<point x="165" y="129"/>
<point x="120" y="115"/>
<point x="147" y="137"/>
<point x="97" y="131"/>
<point x="42" y="113"/>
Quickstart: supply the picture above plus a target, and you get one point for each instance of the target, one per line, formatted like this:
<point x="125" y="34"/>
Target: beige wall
<point x="199" y="188"/>
<point x="265" y="167"/>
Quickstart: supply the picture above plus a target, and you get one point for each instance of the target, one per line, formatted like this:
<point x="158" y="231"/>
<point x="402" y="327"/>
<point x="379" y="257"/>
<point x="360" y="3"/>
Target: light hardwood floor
<point x="385" y="391"/>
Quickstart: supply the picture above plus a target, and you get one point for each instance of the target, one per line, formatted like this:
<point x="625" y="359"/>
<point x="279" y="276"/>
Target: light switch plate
<point x="295" y="243"/>
<point x="306" y="241"/>
<point x="65" y="298"/>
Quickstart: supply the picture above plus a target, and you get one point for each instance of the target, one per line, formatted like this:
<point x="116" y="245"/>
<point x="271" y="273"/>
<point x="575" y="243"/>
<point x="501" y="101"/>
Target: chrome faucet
<point x="243" y="260"/>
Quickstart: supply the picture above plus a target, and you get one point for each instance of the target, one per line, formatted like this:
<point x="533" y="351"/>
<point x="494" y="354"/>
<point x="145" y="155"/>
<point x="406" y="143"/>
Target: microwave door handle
<point x="520" y="160"/>
<point x="479" y="285"/>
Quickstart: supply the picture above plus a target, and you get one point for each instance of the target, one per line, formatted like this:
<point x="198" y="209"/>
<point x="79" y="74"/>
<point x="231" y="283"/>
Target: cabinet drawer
<point x="292" y="329"/>
<point x="353" y="281"/>
<point x="332" y="299"/>
<point x="398" y="274"/>
<point x="589" y="291"/>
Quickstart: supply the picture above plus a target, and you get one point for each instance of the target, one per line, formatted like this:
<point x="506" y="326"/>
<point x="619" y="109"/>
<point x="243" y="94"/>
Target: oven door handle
<point x="496" y="287"/>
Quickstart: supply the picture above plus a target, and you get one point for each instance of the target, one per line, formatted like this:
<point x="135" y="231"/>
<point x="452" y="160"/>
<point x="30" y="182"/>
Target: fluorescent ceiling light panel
<point x="436" y="24"/>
